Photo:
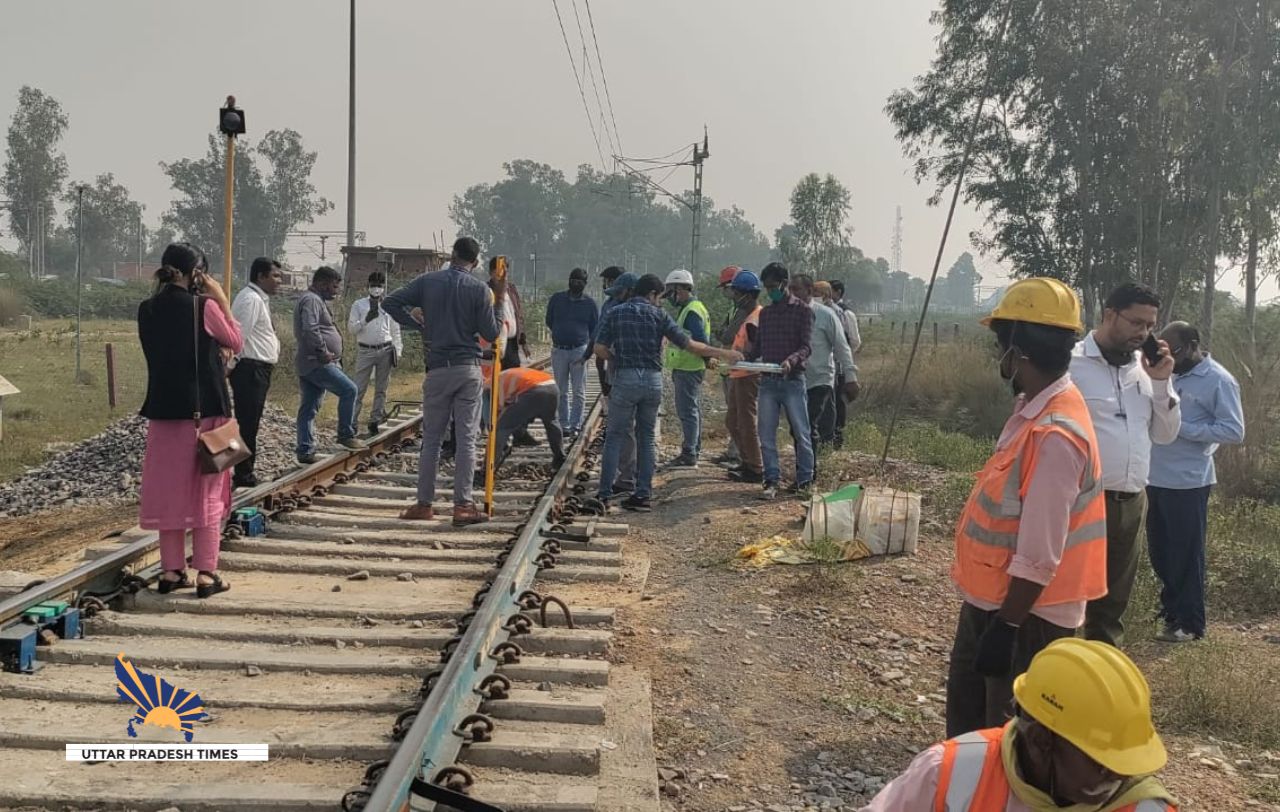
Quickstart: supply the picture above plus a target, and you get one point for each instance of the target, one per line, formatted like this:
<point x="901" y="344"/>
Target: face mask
<point x="377" y="292"/>
<point x="777" y="295"/>
<point x="577" y="286"/>
<point x="1010" y="376"/>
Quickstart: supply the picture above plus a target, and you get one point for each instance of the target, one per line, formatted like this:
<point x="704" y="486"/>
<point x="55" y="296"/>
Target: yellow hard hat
<point x="1092" y="695"/>
<point x="1039" y="300"/>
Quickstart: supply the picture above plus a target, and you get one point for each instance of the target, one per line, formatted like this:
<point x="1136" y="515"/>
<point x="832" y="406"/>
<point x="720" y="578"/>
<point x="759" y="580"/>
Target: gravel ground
<point x="806" y="688"/>
<point x="105" y="469"/>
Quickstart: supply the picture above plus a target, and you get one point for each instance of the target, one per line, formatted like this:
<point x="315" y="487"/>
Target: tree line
<point x="274" y="195"/>
<point x="1120" y="139"/>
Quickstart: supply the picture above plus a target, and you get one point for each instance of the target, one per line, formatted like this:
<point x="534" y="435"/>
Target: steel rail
<point x="319" y="474"/>
<point x="433" y="742"/>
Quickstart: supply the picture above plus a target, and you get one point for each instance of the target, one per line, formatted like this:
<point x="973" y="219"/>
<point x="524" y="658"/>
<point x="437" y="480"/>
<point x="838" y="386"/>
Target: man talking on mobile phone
<point x="1133" y="406"/>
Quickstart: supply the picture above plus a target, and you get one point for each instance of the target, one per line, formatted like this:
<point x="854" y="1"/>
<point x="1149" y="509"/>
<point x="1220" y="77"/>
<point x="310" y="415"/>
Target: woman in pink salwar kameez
<point x="183" y="336"/>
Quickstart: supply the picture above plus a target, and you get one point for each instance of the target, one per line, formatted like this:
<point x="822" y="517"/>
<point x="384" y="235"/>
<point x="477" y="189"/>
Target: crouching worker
<point x="1082" y="740"/>
<point x="526" y="395"/>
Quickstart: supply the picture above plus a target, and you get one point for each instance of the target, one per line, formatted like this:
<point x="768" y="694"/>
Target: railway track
<point x="373" y="656"/>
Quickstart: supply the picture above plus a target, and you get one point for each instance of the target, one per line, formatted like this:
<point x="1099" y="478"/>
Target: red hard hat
<point x="727" y="275"/>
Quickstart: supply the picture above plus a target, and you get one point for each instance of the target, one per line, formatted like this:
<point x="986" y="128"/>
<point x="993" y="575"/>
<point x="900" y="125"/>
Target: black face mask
<point x="577" y="286"/>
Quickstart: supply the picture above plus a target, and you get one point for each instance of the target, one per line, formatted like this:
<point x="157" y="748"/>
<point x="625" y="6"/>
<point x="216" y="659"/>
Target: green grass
<point x="1221" y="687"/>
<point x="53" y="408"/>
<point x="921" y="442"/>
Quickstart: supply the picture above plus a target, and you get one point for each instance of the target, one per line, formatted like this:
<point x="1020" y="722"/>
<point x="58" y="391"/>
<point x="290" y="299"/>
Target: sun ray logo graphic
<point x="157" y="702"/>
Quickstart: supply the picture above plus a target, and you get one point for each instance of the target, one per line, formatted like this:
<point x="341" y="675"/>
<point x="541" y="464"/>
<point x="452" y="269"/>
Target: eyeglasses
<point x="1141" y="324"/>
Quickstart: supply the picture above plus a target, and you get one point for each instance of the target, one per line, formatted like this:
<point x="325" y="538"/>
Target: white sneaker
<point x="1172" y="635"/>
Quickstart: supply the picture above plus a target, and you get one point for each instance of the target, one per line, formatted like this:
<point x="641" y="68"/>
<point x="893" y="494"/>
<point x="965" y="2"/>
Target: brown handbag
<point x="221" y="448"/>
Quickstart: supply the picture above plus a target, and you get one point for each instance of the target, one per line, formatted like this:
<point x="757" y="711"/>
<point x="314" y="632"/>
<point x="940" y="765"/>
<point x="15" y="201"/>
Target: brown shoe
<point x="464" y="515"/>
<point x="418" y="513"/>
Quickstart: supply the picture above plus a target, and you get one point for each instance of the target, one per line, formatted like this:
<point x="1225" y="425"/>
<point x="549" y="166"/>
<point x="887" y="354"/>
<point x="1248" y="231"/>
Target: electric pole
<point x="699" y="155"/>
<point x="351" y="136"/>
<point x="140" y="240"/>
<point x="79" y="283"/>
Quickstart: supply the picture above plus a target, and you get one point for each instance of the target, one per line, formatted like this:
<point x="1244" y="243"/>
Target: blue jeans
<point x="313" y="385"/>
<point x="633" y="404"/>
<point x="688" y="386"/>
<point x="570" y="371"/>
<point x="779" y="394"/>
<point x="1177" y="522"/>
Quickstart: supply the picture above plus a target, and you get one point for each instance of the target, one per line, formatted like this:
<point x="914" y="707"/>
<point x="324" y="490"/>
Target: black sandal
<point x="205" y="590"/>
<point x="164" y="586"/>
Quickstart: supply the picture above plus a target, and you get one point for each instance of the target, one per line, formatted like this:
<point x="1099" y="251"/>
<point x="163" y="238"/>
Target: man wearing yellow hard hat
<point x="1082" y="740"/>
<point x="1031" y="541"/>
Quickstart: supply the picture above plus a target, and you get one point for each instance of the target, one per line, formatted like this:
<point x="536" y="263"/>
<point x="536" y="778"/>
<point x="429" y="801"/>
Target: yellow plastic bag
<point x="773" y="550"/>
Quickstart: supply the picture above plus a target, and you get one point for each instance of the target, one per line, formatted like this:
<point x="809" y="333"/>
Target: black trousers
<point x="511" y="355"/>
<point x="974" y="701"/>
<point x="250" y="381"/>
<point x="822" y="416"/>
<point x="1177" y="523"/>
<point x="842" y="411"/>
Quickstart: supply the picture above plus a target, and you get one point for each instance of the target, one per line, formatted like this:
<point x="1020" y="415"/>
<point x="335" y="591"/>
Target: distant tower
<point x="897" y="241"/>
<point x="897" y="252"/>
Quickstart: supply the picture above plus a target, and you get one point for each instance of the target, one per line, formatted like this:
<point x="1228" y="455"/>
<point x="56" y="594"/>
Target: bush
<point x="11" y="305"/>
<point x="57" y="299"/>
<point x="955" y="386"/>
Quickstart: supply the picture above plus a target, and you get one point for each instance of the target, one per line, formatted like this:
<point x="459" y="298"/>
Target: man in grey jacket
<point x="830" y="357"/>
<point x="318" y="363"/>
<point x="457" y="310"/>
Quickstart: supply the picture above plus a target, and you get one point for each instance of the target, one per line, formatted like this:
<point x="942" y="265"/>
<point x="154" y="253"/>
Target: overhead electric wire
<point x="951" y="213"/>
<point x="581" y="92"/>
<point x="603" y="76"/>
<point x="595" y="87"/>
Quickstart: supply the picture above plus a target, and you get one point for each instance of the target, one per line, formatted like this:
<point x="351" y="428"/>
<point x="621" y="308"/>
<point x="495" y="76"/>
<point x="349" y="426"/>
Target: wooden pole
<point x="111" y="376"/>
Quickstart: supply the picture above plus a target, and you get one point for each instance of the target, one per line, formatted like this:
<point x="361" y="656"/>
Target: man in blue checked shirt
<point x="1182" y="474"/>
<point x="631" y="338"/>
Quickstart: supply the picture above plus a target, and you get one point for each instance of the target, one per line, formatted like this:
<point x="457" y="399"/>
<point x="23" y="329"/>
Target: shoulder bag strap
<point x="195" y="353"/>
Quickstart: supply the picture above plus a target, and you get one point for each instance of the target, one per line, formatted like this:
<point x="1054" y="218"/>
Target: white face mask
<point x="377" y="292"/>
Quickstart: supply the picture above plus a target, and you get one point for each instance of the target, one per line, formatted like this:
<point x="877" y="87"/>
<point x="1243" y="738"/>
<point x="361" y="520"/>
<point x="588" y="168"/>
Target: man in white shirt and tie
<point x="378" y="348"/>
<point x="251" y="377"/>
<point x="1133" y="406"/>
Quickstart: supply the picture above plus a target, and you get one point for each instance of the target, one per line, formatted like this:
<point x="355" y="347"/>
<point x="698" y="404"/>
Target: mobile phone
<point x="1151" y="349"/>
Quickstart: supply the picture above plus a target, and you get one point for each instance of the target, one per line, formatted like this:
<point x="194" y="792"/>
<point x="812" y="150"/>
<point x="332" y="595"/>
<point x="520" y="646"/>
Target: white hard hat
<point x="680" y="277"/>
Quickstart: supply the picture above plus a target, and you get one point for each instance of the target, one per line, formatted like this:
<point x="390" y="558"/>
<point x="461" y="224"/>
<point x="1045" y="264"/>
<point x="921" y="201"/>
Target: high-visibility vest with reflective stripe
<point x="740" y="341"/>
<point x="513" y="383"/>
<point x="987" y="533"/>
<point x="683" y="359"/>
<point x="972" y="777"/>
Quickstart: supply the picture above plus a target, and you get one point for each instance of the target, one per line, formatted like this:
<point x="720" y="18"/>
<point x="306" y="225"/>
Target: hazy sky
<point x="447" y="91"/>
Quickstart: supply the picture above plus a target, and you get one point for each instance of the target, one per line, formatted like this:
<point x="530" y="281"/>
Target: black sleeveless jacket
<point x="167" y="334"/>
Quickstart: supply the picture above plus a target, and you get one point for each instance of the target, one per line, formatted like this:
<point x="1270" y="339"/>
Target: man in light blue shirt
<point x="1182" y="474"/>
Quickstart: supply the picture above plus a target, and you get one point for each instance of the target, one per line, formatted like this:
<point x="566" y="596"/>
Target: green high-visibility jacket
<point x="683" y="359"/>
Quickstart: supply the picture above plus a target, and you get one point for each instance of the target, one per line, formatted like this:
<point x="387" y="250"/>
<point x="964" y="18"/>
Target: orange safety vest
<point x="740" y="342"/>
<point x="513" y="383"/>
<point x="987" y="533"/>
<point x="972" y="777"/>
